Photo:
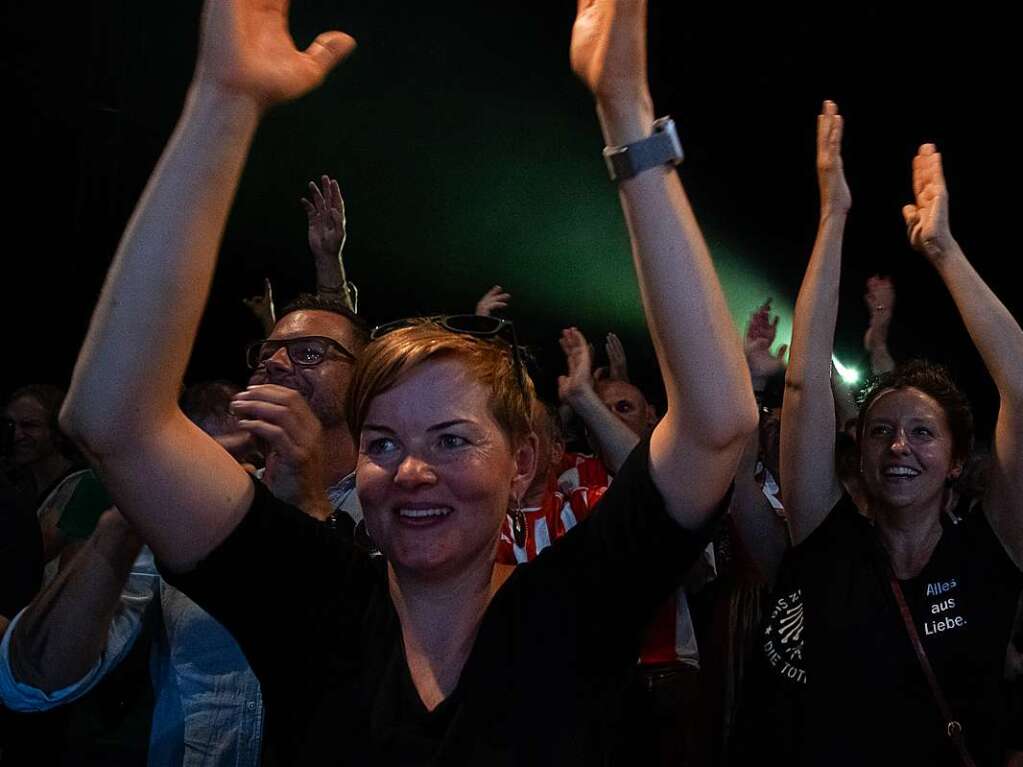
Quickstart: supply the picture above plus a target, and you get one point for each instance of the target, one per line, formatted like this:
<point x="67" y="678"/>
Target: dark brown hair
<point x="933" y="380"/>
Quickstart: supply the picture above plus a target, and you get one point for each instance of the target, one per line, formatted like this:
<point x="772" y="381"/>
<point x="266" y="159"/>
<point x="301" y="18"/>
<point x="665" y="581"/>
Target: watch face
<point x="660" y="148"/>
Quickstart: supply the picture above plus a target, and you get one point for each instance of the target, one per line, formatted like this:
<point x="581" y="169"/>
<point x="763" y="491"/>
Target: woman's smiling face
<point x="906" y="450"/>
<point x="436" y="472"/>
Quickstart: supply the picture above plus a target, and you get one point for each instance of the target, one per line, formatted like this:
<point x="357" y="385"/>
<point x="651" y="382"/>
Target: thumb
<point x="781" y="351"/>
<point x="329" y="48"/>
<point x="910" y="213"/>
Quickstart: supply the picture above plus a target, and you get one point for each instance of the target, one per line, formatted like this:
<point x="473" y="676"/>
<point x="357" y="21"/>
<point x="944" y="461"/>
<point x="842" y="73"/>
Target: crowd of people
<point x="386" y="549"/>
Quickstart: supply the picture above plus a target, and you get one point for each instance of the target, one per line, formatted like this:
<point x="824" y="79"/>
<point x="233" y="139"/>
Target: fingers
<point x="829" y="129"/>
<point x="329" y="49"/>
<point x="572" y="339"/>
<point x="614" y="345"/>
<point x="275" y="394"/>
<point x="577" y="352"/>
<point x="278" y="439"/>
<point x="337" y="199"/>
<point x="310" y="209"/>
<point x="911" y="215"/>
<point x="927" y="171"/>
<point x="290" y="431"/>
<point x="760" y="324"/>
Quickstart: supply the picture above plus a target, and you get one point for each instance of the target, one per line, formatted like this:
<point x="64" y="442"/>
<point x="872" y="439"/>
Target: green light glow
<point x="849" y="375"/>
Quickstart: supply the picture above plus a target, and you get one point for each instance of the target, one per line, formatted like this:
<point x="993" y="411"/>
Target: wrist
<point x="835" y="213"/>
<point x="626" y="120"/>
<point x="581" y="397"/>
<point x="944" y="250"/>
<point x="224" y="105"/>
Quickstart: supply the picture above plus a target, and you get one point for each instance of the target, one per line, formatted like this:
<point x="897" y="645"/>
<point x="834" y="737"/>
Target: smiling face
<point x="906" y="451"/>
<point x="33" y="437"/>
<point x="436" y="472"/>
<point x="323" y="386"/>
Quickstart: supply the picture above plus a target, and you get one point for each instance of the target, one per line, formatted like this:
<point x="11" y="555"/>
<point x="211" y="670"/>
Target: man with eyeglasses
<point x="294" y="406"/>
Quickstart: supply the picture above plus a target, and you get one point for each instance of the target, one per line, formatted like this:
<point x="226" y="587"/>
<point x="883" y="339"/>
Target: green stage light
<point x="848" y="375"/>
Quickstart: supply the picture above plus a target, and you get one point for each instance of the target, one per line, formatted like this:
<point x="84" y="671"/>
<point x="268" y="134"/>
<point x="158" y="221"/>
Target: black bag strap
<point x="953" y="728"/>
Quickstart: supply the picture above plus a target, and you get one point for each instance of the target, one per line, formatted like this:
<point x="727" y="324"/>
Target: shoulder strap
<point x="953" y="728"/>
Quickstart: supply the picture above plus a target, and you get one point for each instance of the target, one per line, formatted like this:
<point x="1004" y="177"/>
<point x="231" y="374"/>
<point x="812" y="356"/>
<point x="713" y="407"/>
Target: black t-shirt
<point x="542" y="684"/>
<point x="837" y="681"/>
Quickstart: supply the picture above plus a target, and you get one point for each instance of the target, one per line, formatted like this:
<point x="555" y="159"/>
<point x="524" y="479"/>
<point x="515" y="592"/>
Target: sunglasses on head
<point x="477" y="325"/>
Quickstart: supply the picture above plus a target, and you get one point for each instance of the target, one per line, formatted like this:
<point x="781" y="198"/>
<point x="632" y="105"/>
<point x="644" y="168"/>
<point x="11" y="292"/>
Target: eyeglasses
<point x="304" y="351"/>
<point x="477" y="325"/>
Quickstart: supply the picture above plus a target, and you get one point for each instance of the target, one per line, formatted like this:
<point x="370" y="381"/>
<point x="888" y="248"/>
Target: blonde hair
<point x="390" y="358"/>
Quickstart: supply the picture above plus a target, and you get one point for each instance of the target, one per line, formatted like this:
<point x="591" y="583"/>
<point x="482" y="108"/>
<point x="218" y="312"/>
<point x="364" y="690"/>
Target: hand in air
<point x="326" y="214"/>
<point x="834" y="190"/>
<point x="608" y="50"/>
<point x="760" y="334"/>
<point x="246" y="51"/>
<point x="263" y="307"/>
<point x="493" y="300"/>
<point x="580" y="365"/>
<point x="927" y="220"/>
<point x="618" y="369"/>
<point x="880" y="301"/>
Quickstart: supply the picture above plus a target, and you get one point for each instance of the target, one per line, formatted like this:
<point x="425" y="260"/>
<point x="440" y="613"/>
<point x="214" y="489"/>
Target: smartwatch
<point x="661" y="147"/>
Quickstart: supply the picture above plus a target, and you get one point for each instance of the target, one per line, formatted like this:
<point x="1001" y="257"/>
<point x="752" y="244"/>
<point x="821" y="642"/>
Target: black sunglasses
<point x="477" y="325"/>
<point x="304" y="351"/>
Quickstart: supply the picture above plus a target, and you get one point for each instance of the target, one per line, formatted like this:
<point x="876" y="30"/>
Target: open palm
<point x="246" y="49"/>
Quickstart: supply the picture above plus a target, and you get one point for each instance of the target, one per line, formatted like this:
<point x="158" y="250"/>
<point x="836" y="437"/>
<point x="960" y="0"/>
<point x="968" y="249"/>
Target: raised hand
<point x="492" y="300"/>
<point x="608" y="50"/>
<point x="618" y="369"/>
<point x="834" y="190"/>
<point x="927" y="220"/>
<point x="245" y="50"/>
<point x="263" y="307"/>
<point x="326" y="214"/>
<point x="281" y="418"/>
<point x="760" y="335"/>
<point x="880" y="301"/>
<point x="578" y="356"/>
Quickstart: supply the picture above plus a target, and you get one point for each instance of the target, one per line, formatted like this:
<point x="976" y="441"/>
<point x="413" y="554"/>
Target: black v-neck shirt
<point x="542" y="683"/>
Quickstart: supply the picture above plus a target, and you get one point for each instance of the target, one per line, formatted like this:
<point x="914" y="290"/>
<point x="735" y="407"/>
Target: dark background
<point x="468" y="155"/>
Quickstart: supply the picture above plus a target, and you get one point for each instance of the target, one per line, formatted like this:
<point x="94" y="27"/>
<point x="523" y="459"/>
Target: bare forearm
<point x="330" y="275"/>
<point x="762" y="534"/>
<point x="63" y="632"/>
<point x="808" y="417"/>
<point x="994" y="331"/>
<point x="156" y="290"/>
<point x="613" y="439"/>
<point x="881" y="360"/>
<point x="816" y="314"/>
<point x="705" y="373"/>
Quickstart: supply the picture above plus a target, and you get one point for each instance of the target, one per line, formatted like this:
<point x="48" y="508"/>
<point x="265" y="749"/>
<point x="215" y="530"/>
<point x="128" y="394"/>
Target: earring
<point x="518" y="518"/>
